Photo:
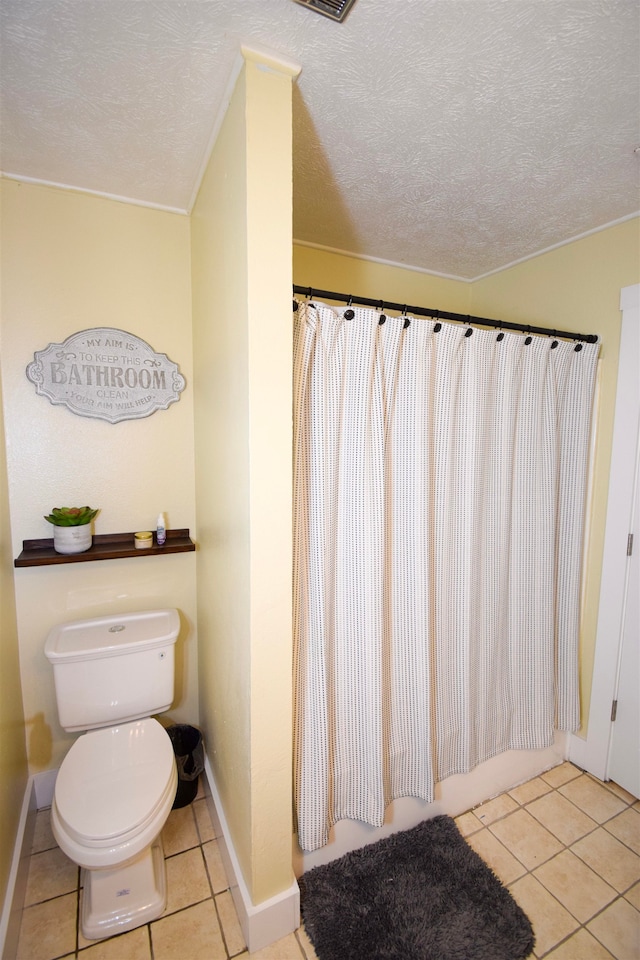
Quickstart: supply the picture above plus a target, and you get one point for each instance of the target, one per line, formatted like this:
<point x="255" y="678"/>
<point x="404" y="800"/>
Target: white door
<point x="610" y="749"/>
<point x="624" y="755"/>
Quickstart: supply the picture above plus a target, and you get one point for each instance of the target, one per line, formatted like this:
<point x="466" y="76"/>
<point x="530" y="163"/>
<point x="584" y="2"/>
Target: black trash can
<point x="189" y="752"/>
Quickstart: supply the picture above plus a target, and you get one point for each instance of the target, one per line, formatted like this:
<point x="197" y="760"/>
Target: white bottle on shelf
<point x="161" y="533"/>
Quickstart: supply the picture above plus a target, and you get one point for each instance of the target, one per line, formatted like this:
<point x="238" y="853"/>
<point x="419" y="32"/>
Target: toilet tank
<point x="113" y="669"/>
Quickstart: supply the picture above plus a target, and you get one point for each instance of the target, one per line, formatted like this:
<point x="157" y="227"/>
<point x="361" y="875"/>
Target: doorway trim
<point x="592" y="753"/>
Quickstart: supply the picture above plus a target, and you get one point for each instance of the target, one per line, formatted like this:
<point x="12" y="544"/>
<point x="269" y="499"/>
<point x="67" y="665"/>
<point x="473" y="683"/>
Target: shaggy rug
<point x="420" y="894"/>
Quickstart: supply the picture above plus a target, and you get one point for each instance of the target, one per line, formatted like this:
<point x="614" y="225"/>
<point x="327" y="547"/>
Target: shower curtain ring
<point x="349" y="313"/>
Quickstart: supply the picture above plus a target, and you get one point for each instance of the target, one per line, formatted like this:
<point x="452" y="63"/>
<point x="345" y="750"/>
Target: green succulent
<point x="71" y="516"/>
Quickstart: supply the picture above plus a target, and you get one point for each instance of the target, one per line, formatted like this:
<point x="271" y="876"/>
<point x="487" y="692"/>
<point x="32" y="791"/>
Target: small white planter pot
<point x="72" y="539"/>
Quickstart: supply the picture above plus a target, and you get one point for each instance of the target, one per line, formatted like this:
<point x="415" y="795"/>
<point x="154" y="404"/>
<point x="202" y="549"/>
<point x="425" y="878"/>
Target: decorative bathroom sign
<point x="106" y="374"/>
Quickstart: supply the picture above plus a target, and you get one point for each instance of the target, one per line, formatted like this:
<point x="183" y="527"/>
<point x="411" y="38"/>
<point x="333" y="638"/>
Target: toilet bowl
<point x="113" y="794"/>
<point x="116" y="786"/>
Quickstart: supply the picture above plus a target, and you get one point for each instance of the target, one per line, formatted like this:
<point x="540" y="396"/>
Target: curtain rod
<point x="314" y="294"/>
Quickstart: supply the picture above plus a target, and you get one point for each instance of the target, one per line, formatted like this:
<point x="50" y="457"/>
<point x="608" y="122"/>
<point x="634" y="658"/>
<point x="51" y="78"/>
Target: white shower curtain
<point x="439" y="509"/>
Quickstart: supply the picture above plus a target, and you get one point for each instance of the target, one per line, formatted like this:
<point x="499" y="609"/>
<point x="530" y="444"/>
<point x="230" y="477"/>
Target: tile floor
<point x="566" y="845"/>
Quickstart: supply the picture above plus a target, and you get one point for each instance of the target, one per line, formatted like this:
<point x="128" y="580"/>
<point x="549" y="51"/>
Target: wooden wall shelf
<point x="106" y="546"/>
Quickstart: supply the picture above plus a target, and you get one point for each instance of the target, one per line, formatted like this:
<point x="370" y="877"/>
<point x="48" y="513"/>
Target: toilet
<point x="117" y="784"/>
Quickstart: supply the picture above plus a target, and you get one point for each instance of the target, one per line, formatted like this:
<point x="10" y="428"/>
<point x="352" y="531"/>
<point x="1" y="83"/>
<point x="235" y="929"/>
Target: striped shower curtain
<point x="439" y="500"/>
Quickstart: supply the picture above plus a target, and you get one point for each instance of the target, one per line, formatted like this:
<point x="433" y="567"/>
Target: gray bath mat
<point x="421" y="894"/>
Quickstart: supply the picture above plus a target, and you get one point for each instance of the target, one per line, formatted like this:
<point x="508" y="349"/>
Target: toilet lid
<point x="112" y="779"/>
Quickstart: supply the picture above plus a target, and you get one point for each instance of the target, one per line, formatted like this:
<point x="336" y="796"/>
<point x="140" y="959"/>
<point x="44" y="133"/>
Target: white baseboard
<point x="18" y="873"/>
<point x="266" y="922"/>
<point x="44" y="784"/>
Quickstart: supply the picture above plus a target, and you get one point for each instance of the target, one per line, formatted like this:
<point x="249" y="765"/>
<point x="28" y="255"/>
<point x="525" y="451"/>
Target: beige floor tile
<point x="187" y="881"/>
<point x="609" y="858"/>
<point x="633" y="896"/>
<point x="203" y="820"/>
<point x="503" y="863"/>
<point x="561" y="817"/>
<point x="468" y="823"/>
<point x="561" y="774"/>
<point x="43" y="838"/>
<point x="179" y="832"/>
<point x="567" y="887"/>
<point x="575" y="885"/>
<point x="191" y="934"/>
<point x="213" y="813"/>
<point x="551" y="922"/>
<point x="530" y="790"/>
<point x="48" y="929"/>
<point x="133" y="945"/>
<point x="494" y="809"/>
<point x="618" y="927"/>
<point x="286" y="949"/>
<point x="626" y="827"/>
<point x="525" y="838"/>
<point x="307" y="947"/>
<point x="215" y="867"/>
<point x="580" y="946"/>
<point x="593" y="798"/>
<point x="231" y="929"/>
<point x="51" y="874"/>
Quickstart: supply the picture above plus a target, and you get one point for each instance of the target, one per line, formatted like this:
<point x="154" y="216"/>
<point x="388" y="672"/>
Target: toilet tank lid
<point x="112" y="635"/>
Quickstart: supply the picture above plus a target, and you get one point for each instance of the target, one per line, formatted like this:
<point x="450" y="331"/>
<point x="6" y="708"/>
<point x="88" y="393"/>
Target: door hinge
<point x="614" y="710"/>
<point x="629" y="544"/>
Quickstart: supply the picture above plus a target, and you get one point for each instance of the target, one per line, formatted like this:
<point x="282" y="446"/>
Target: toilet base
<point x="118" y="900"/>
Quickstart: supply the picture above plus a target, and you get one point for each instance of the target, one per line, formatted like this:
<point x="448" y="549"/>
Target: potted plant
<point x="71" y="528"/>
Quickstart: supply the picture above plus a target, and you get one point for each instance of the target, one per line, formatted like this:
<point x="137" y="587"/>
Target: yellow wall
<point x="338" y="273"/>
<point x="575" y="287"/>
<point x="13" y="756"/>
<point x="70" y="262"/>
<point x="241" y="269"/>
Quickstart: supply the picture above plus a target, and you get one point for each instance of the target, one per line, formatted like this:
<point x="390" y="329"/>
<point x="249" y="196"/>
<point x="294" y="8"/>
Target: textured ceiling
<point x="455" y="136"/>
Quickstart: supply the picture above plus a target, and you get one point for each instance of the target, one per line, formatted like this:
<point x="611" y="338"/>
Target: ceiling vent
<point x="334" y="9"/>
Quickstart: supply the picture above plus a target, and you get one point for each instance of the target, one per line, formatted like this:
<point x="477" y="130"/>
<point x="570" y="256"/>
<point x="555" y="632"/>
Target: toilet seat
<point x="114" y="782"/>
